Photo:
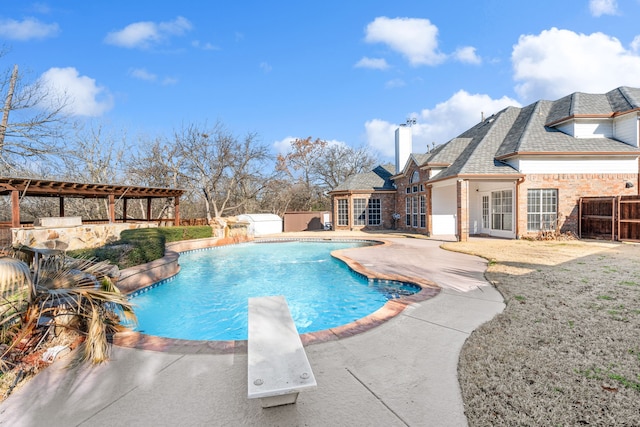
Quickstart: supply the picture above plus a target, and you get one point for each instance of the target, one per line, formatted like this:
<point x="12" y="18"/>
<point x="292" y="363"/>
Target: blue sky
<point x="343" y="71"/>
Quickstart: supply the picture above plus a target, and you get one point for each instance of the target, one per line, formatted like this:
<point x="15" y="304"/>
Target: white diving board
<point x="277" y="363"/>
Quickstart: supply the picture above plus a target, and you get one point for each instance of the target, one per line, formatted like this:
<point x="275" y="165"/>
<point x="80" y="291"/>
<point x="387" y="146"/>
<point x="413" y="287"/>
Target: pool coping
<point x="389" y="310"/>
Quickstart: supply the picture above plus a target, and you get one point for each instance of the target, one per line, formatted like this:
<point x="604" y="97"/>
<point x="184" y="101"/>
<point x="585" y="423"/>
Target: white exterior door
<point x="495" y="214"/>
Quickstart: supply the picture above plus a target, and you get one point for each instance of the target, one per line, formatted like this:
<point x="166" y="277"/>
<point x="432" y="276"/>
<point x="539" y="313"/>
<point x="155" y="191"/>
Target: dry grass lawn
<point x="566" y="349"/>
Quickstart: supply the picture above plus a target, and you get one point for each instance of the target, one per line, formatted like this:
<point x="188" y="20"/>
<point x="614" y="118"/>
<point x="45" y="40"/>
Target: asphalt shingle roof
<point x="483" y="141"/>
<point x="619" y="100"/>
<point x="377" y="179"/>
<point x="520" y="130"/>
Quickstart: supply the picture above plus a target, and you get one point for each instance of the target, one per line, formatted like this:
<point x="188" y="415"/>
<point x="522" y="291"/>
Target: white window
<point x="359" y="209"/>
<point x="407" y="210"/>
<point x="423" y="211"/>
<point x="343" y="212"/>
<point x="485" y="212"/>
<point x="374" y="212"/>
<point x="415" y="211"/>
<point x="542" y="209"/>
<point x="502" y="210"/>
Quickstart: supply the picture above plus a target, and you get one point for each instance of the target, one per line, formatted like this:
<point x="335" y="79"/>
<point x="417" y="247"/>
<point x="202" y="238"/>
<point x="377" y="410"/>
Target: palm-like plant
<point x="59" y="292"/>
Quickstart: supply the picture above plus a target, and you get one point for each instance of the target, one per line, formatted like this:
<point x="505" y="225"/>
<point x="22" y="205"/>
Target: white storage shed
<point x="262" y="224"/>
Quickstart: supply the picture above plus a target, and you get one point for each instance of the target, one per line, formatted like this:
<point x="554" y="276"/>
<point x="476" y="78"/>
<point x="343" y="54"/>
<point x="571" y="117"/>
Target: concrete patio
<point x="401" y="373"/>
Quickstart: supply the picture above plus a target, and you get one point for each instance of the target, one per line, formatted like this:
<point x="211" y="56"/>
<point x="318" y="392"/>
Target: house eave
<point x="591" y="116"/>
<point x="479" y="176"/>
<point x="361" y="191"/>
<point x="435" y="165"/>
<point x="568" y="153"/>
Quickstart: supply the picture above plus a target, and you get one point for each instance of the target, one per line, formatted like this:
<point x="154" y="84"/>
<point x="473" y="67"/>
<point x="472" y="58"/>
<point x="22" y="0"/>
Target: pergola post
<point x="124" y="210"/>
<point x="148" y="208"/>
<point x="15" y="208"/>
<point x="112" y="208"/>
<point x="176" y="209"/>
<point x="16" y="188"/>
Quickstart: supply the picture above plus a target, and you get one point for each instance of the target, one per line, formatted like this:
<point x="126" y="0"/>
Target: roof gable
<point x="377" y="179"/>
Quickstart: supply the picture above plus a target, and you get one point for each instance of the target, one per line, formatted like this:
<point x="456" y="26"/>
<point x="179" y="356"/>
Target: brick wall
<point x="570" y="188"/>
<point x="387" y="205"/>
<point x="402" y="184"/>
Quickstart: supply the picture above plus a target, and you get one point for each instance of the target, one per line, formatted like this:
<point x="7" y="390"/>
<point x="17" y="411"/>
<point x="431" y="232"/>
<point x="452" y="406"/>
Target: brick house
<point x="518" y="172"/>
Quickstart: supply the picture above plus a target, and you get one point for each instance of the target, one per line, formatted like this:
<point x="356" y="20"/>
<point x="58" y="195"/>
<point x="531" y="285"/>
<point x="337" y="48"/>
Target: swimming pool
<point x="207" y="300"/>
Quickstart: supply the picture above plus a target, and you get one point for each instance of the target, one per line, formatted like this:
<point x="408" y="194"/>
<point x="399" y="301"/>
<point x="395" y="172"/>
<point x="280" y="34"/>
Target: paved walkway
<point x="402" y="373"/>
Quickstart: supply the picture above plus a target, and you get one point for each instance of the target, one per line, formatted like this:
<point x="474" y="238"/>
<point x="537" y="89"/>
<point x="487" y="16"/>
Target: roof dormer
<point x="590" y="127"/>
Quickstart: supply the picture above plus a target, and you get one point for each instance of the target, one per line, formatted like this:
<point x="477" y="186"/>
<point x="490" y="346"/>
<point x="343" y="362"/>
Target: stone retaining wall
<point x="71" y="238"/>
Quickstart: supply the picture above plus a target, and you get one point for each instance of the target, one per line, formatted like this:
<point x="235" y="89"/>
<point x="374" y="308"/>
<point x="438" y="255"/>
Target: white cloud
<point x="84" y="97"/>
<point x="445" y="121"/>
<point x="146" y="34"/>
<point x="27" y="29"/>
<point x="558" y="62"/>
<point x="169" y="81"/>
<point x="177" y="27"/>
<point x="373" y="63"/>
<point x="42" y="8"/>
<point x="635" y="44"/>
<point x="284" y="145"/>
<point x="603" y="7"/>
<point x="467" y="54"/>
<point x="416" y="39"/>
<point x="142" y="74"/>
<point x="379" y="135"/>
<point x="265" y="67"/>
<point x="394" y="83"/>
<point x="204" y="46"/>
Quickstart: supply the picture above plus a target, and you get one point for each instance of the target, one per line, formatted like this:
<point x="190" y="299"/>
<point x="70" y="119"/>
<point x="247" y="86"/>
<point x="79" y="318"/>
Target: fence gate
<point x="610" y="218"/>
<point x="629" y="218"/>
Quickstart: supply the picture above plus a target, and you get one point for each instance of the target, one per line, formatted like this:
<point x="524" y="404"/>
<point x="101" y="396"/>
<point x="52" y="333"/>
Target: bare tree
<point x="300" y="165"/>
<point x="33" y="121"/>
<point x="228" y="172"/>
<point x="337" y="162"/>
<point x="93" y="155"/>
<point x="160" y="164"/>
<point x="157" y="164"/>
<point x="315" y="167"/>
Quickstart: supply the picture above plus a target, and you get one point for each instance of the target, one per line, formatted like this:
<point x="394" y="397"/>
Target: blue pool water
<point x="207" y="300"/>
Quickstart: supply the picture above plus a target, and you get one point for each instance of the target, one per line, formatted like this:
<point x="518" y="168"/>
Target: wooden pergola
<point x="23" y="187"/>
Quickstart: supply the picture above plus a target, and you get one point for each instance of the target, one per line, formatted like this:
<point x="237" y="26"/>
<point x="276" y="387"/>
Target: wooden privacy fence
<point x="611" y="218"/>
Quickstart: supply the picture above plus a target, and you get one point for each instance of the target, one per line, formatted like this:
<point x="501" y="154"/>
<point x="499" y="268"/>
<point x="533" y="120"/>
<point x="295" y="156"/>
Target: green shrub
<point x="175" y="234"/>
<point x="147" y="244"/>
<point x="141" y="245"/>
